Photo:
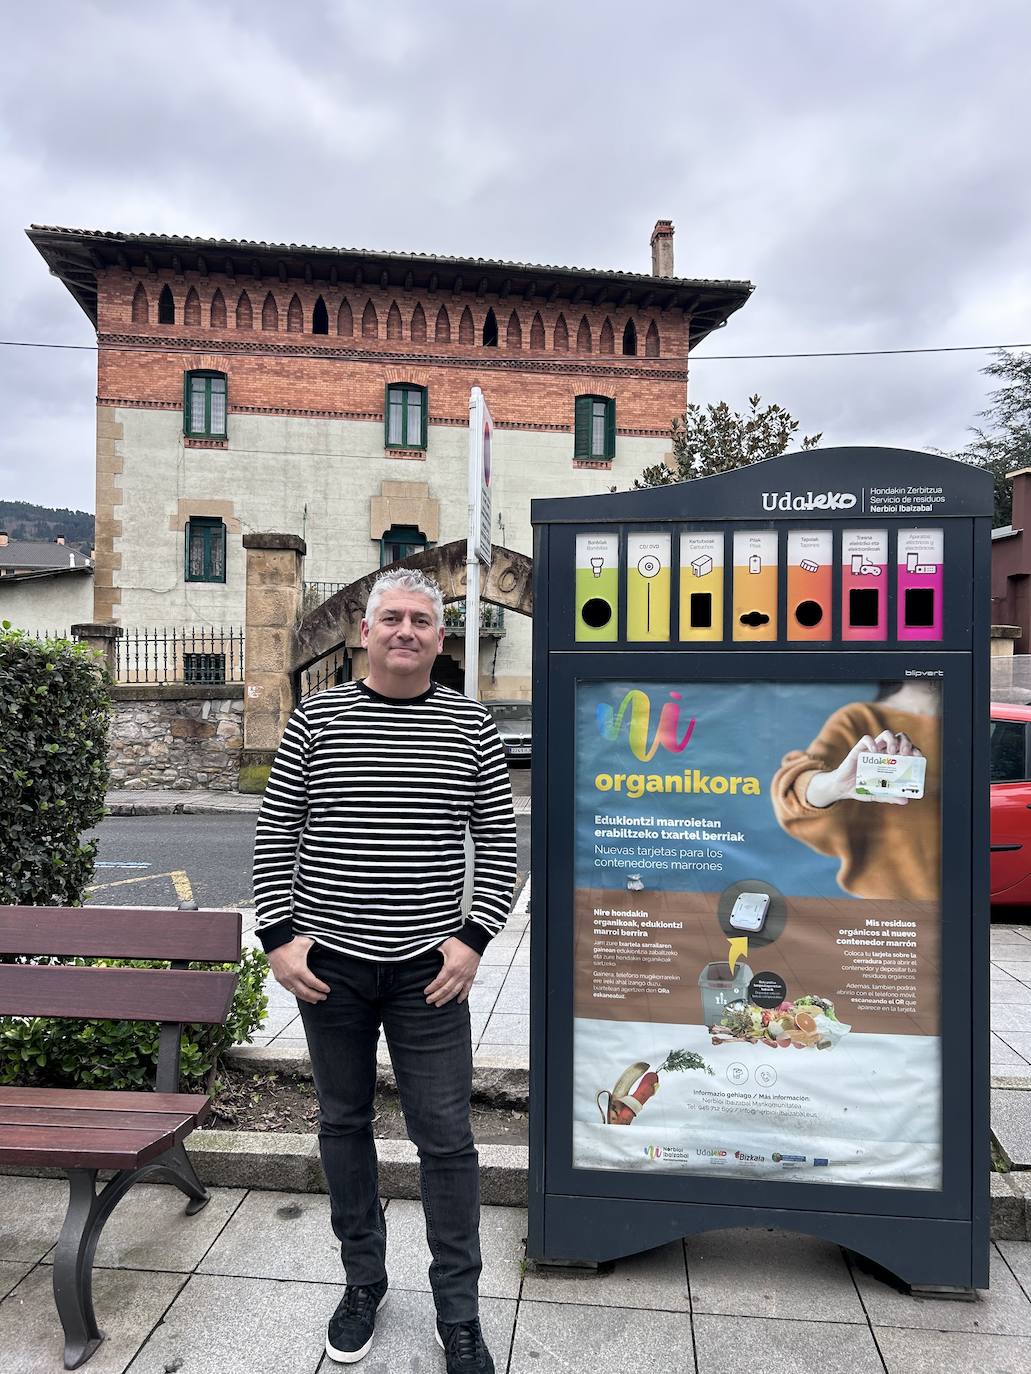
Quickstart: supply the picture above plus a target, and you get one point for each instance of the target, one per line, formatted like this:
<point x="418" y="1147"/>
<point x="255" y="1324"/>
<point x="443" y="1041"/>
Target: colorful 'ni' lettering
<point x="610" y="723"/>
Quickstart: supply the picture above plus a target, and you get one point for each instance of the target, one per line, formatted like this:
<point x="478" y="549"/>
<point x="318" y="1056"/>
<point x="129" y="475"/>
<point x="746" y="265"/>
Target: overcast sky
<point x="865" y="165"/>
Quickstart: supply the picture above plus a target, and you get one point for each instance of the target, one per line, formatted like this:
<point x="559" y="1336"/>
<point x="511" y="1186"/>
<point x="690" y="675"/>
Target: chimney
<point x="1021" y="479"/>
<point x="662" y="248"/>
<point x="59" y="539"/>
<point x="5" y="539"/>
<point x="71" y="560"/>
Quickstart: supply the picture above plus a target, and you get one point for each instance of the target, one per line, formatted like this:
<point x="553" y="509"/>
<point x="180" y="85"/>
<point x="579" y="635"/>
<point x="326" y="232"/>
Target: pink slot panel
<point x="921" y="582"/>
<point x="864" y="585"/>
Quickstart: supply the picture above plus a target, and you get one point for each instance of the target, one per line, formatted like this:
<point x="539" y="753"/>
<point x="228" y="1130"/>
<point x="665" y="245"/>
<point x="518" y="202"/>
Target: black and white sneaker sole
<point x="353" y="1356"/>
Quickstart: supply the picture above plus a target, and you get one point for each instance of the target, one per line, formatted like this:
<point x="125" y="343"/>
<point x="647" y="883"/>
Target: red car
<point x="1011" y="805"/>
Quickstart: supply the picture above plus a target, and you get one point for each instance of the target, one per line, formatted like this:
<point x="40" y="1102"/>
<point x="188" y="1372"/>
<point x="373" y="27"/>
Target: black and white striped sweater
<point x="360" y="838"/>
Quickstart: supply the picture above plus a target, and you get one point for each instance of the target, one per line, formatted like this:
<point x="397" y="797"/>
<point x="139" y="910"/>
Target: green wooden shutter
<point x="582" y="428"/>
<point x="610" y="429"/>
<point x="425" y="416"/>
<point x="386" y="417"/>
<point x="186" y="402"/>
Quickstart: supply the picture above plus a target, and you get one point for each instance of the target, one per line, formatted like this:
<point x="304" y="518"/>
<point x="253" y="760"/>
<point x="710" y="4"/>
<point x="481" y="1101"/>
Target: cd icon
<point x="649" y="565"/>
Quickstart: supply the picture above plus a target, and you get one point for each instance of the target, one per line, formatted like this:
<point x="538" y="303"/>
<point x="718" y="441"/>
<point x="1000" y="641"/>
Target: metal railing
<point x="330" y="671"/>
<point x="492" y="618"/>
<point x="192" y="655"/>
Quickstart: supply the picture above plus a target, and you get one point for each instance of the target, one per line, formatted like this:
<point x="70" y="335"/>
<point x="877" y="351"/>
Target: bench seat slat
<point x="87" y="1147"/>
<point x="122" y="932"/>
<point x="91" y="1099"/>
<point x="110" y="1120"/>
<point x="115" y="994"/>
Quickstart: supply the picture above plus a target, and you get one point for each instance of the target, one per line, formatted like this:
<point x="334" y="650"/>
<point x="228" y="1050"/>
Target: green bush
<point x="40" y="1052"/>
<point x="54" y="712"/>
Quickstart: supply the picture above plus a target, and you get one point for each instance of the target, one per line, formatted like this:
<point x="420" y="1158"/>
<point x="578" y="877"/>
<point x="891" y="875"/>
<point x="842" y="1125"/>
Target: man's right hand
<point x="289" y="965"/>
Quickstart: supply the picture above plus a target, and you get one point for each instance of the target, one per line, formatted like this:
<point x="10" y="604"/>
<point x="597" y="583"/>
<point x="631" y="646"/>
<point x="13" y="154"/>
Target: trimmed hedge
<point x="54" y="713"/>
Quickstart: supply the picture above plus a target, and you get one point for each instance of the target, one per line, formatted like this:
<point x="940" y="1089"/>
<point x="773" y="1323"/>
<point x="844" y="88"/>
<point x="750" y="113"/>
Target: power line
<point x="695" y="358"/>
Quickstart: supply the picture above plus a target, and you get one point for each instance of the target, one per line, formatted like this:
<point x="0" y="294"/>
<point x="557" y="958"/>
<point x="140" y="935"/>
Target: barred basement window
<point x="405" y="417"/>
<point x="205" y="549"/>
<point x="594" y="431"/>
<point x="200" y="668"/>
<point x="204" y="405"/>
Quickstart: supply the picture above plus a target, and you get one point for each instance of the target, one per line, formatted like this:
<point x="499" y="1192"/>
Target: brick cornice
<point x="486" y="360"/>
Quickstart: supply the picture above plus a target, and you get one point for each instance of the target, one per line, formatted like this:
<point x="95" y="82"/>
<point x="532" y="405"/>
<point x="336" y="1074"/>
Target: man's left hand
<point x="457" y="974"/>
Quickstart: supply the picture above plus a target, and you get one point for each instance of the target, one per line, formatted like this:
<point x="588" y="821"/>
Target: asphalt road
<point x="161" y="860"/>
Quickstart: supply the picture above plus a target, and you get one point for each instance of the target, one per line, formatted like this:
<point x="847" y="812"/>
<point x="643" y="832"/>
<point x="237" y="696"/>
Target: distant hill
<point x="22" y="520"/>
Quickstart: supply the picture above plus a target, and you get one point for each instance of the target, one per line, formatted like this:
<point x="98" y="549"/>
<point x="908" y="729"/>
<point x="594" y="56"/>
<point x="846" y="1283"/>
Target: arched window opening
<point x="394" y="330"/>
<point x="537" y="331"/>
<point x="607" y="339"/>
<point x="140" y="305"/>
<point x="345" y="320"/>
<point x="244" y="312"/>
<point x="270" y="313"/>
<point x="651" y="341"/>
<point x="418" y="325"/>
<point x="319" y="317"/>
<point x="584" y="342"/>
<point x="514" y="334"/>
<point x="400" y="541"/>
<point x="490" y="329"/>
<point x="466" y="332"/>
<point x="218" y="310"/>
<point x="166" y="306"/>
<point x="370" y="322"/>
<point x="443" y="331"/>
<point x="191" y="310"/>
<point x="630" y="339"/>
<point x="560" y="339"/>
<point x="294" y="316"/>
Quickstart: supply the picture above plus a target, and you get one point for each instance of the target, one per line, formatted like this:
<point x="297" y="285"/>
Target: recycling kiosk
<point x="759" y="984"/>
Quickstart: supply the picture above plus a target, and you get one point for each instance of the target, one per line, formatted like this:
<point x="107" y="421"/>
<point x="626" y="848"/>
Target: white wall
<point x="48" y="605"/>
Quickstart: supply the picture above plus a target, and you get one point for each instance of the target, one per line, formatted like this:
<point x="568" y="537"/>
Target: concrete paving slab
<point x="513" y="1000"/>
<point x="1017" y="963"/>
<point x="1011" y="1125"/>
<point x="31" y="1215"/>
<point x="1018" y="1041"/>
<point x="497" y="954"/>
<point x="1012" y="1017"/>
<point x="554" y="1338"/>
<point x="128" y="1303"/>
<point x="240" y="1326"/>
<point x="1017" y="1255"/>
<point x="482" y="997"/>
<point x="770" y="1274"/>
<point x="1005" y="935"/>
<point x="11" y="1274"/>
<point x="931" y="1352"/>
<point x="278" y="1236"/>
<point x="149" y="1229"/>
<point x="723" y="1344"/>
<point x="507" y="1028"/>
<point x="657" y="1279"/>
<point x="492" y="975"/>
<point x="1004" y="1310"/>
<point x="405" y="1336"/>
<point x="502" y="1235"/>
<point x="1003" y="1056"/>
<point x="1009" y="994"/>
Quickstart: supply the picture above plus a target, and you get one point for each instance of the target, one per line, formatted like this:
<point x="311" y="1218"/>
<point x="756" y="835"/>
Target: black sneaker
<point x="463" y="1347"/>
<point x="353" y="1325"/>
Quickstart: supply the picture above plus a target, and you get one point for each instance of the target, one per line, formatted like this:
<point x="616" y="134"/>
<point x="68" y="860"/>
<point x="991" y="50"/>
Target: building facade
<point x="245" y="387"/>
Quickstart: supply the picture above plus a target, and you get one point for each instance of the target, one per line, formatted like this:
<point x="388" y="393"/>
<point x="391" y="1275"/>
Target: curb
<point x="162" y="808"/>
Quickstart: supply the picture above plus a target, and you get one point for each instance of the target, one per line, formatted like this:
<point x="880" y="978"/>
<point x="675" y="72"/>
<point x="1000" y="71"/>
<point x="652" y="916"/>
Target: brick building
<point x="324" y="392"/>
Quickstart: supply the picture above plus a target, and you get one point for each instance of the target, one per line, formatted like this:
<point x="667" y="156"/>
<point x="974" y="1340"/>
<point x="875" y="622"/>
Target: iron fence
<point x="330" y="671"/>
<point x="194" y="655"/>
<point x="492" y="618"/>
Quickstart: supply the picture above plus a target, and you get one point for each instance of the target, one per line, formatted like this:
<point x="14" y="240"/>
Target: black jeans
<point x="431" y="1051"/>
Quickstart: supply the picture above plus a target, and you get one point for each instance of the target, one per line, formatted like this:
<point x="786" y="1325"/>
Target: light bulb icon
<point x="596" y="566"/>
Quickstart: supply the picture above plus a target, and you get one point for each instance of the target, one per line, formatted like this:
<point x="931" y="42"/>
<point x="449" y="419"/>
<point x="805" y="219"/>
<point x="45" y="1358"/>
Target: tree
<point x="713" y="438"/>
<point x="1005" y="443"/>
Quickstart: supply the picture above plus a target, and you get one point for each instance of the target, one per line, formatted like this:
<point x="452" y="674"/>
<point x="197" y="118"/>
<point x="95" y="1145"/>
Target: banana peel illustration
<point x="622" y="1106"/>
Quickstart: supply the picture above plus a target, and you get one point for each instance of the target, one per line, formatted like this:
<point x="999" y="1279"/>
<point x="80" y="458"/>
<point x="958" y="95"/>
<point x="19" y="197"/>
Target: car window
<point x="1009" y="751"/>
<point x="509" y="710"/>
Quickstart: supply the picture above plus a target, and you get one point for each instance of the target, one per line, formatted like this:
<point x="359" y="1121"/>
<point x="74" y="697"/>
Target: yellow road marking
<point x="180" y="882"/>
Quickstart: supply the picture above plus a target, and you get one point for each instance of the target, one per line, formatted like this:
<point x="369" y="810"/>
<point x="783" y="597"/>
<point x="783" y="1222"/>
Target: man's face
<point x="403" y="639"/>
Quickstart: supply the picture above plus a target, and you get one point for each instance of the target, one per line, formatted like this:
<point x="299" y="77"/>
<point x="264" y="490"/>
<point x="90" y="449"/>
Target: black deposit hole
<point x="596" y="613"/>
<point x="701" y="610"/>
<point x="919" y="607"/>
<point x="809" y="613"/>
<point x="755" y="618"/>
<point x="863" y="607"/>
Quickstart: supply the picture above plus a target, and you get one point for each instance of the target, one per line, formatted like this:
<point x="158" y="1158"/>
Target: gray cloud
<point x="865" y="166"/>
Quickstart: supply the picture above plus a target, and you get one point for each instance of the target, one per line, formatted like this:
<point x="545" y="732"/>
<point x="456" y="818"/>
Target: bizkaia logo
<point x="749" y="1159"/>
<point x="812" y="500"/>
<point x="636" y="708"/>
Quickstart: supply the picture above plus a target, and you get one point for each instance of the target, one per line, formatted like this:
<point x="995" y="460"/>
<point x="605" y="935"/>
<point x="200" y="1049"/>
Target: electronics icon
<point x="749" y="911"/>
<point x="755" y="563"/>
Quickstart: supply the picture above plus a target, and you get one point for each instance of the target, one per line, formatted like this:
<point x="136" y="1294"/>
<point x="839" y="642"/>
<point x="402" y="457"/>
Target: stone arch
<point x="417" y="328"/>
<point x="443" y="329"/>
<point x="244" y="312"/>
<point x="560" y="336"/>
<point x="345" y="320"/>
<point x="218" y="310"/>
<point x="140" y="305"/>
<point x="394" y="328"/>
<point x="537" y="331"/>
<point x="191" y="310"/>
<point x="514" y="333"/>
<point x="270" y="314"/>
<point x="466" y="330"/>
<point x="370" y="321"/>
<point x="584" y="342"/>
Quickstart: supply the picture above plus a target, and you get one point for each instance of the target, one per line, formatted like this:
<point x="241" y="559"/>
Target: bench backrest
<point x="176" y="995"/>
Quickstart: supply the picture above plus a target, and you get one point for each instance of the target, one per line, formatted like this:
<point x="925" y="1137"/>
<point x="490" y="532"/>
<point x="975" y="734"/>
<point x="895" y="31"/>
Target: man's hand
<point x="289" y="965"/>
<point x="839" y="785"/>
<point x="457" y="975"/>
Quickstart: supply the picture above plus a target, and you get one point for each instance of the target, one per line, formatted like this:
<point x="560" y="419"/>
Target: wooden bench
<point x="137" y="1134"/>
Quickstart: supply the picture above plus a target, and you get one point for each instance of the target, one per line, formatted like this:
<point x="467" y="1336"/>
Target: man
<point x="359" y="862"/>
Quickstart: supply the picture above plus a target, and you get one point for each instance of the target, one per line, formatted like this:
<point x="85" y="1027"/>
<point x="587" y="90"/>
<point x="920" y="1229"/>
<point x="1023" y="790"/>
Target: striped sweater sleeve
<point x="493" y="828"/>
<point x="281" y="819"/>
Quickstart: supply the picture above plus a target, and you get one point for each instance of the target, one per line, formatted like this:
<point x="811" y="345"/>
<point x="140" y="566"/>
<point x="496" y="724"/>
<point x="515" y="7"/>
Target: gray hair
<point x="406" y="580"/>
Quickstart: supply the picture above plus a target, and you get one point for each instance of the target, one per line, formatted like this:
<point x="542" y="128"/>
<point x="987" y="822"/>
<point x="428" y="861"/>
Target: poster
<point x="757" y="923"/>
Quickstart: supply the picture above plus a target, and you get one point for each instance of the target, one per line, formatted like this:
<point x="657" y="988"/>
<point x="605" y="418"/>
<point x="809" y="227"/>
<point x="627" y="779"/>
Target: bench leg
<point x="175" y="1167"/>
<point x="73" y="1260"/>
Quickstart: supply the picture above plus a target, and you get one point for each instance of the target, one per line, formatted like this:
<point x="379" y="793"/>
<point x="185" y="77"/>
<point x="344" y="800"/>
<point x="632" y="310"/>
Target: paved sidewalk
<point x="248" y="1284"/>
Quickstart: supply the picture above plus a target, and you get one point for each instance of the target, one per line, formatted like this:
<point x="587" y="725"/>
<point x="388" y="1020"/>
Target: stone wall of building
<point x="176" y="737"/>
